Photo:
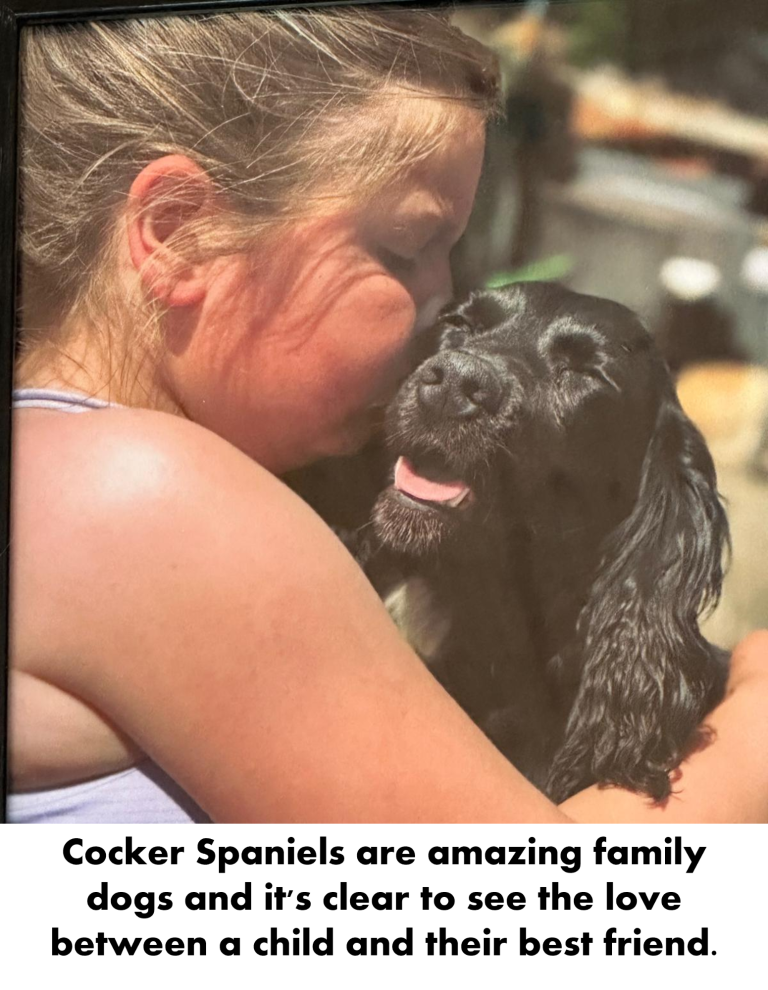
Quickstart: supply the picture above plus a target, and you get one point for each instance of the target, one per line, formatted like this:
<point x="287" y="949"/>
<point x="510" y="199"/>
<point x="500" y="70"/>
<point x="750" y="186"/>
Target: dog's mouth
<point x="428" y="505"/>
<point x="429" y="482"/>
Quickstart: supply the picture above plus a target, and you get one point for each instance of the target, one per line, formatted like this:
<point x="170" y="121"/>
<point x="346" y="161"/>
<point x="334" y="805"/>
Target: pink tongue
<point x="406" y="480"/>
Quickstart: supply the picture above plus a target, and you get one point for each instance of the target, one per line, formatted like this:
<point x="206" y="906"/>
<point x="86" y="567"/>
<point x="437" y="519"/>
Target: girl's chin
<point x="351" y="436"/>
<point x="342" y="440"/>
<point x="359" y="431"/>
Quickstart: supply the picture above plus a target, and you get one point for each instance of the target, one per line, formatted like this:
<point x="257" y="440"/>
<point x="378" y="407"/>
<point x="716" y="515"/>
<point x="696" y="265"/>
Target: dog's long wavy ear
<point x="648" y="675"/>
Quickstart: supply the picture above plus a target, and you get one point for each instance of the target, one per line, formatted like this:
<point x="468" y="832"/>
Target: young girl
<point x="231" y="228"/>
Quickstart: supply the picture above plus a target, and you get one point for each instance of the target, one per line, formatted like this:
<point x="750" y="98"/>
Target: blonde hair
<point x="269" y="104"/>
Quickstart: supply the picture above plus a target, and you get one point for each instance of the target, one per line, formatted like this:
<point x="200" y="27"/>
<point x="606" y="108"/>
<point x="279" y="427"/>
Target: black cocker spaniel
<point x="550" y="535"/>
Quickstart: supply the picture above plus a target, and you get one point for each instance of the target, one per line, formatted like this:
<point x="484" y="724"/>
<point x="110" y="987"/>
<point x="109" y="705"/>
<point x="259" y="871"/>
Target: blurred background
<point x="633" y="164"/>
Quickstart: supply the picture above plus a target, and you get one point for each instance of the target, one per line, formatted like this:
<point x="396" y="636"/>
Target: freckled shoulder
<point x="116" y="459"/>
<point x="117" y="498"/>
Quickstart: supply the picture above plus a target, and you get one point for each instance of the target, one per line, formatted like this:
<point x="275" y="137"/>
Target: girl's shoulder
<point x="121" y="461"/>
<point x="117" y="510"/>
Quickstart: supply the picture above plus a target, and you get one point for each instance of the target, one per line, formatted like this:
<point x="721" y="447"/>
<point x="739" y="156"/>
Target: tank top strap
<point x="49" y="398"/>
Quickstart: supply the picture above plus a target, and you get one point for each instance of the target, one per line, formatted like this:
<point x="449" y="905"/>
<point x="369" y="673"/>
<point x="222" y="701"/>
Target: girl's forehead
<point x="432" y="198"/>
<point x="430" y="128"/>
<point x="443" y="183"/>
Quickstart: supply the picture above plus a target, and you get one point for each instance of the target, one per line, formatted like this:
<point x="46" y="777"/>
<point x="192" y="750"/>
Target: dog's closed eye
<point x="573" y="350"/>
<point x="485" y="312"/>
<point x="477" y="314"/>
<point x="598" y="374"/>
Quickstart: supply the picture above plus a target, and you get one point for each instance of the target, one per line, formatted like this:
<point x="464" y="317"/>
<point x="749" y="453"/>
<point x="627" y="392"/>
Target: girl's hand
<point x="749" y="664"/>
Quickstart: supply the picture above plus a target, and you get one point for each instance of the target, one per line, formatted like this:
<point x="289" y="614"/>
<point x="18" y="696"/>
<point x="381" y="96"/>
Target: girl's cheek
<point x="400" y="312"/>
<point x="381" y="313"/>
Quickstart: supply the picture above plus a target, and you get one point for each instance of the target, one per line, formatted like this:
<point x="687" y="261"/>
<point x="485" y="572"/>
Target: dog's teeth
<point x="459" y="499"/>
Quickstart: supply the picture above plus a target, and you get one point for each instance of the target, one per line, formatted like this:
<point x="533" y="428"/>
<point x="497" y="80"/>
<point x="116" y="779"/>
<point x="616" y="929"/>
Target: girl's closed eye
<point x="403" y="259"/>
<point x="401" y="249"/>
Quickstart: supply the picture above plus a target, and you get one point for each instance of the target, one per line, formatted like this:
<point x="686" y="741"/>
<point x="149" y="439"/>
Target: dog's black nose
<point x="456" y="385"/>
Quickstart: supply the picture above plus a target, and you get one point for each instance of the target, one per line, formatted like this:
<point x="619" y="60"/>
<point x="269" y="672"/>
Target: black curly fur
<point x="648" y="675"/>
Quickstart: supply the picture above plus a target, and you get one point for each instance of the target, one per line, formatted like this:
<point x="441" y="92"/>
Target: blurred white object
<point x="690" y="279"/>
<point x="754" y="270"/>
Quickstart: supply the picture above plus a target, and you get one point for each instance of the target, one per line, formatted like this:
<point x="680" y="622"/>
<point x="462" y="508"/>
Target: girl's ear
<point x="167" y="194"/>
